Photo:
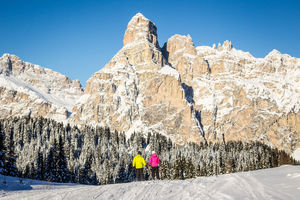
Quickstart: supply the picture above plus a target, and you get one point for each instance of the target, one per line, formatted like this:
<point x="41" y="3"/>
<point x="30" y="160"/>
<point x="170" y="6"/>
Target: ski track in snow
<point x="277" y="183"/>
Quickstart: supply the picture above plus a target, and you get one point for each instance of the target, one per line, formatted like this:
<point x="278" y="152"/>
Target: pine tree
<point x="121" y="173"/>
<point x="10" y="161"/>
<point x="190" y="169"/>
<point x="2" y="150"/>
<point x="40" y="169"/>
<point x="177" y="171"/>
<point x="50" y="167"/>
<point x="62" y="168"/>
<point x="85" y="172"/>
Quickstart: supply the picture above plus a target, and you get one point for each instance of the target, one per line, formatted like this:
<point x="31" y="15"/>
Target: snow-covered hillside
<point x="31" y="90"/>
<point x="277" y="183"/>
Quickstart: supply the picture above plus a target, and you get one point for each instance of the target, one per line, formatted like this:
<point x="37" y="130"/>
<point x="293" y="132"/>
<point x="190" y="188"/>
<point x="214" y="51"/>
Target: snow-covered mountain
<point x="193" y="93"/>
<point x="242" y="97"/>
<point x="276" y="183"/>
<point x="137" y="90"/>
<point x="188" y="93"/>
<point x="31" y="90"/>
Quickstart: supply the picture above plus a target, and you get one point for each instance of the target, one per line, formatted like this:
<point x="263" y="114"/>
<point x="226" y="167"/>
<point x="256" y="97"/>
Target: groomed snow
<point x="277" y="183"/>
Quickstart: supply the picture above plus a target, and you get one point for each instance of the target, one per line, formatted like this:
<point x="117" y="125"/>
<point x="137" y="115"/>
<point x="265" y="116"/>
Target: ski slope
<point x="277" y="183"/>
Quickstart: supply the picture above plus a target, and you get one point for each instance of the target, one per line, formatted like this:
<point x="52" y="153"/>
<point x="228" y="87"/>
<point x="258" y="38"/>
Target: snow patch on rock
<point x="296" y="154"/>
<point x="168" y="70"/>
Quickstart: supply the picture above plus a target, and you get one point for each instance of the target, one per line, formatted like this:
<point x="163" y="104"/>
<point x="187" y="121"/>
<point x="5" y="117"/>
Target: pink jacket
<point x="154" y="160"/>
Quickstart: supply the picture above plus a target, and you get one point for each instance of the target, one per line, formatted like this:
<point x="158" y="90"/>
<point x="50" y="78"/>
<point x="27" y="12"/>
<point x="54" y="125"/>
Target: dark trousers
<point x="139" y="175"/>
<point x="155" y="172"/>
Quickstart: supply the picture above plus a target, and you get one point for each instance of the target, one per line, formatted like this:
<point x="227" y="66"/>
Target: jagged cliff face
<point x="188" y="93"/>
<point x="137" y="90"/>
<point x="193" y="93"/>
<point x="241" y="97"/>
<point x="30" y="90"/>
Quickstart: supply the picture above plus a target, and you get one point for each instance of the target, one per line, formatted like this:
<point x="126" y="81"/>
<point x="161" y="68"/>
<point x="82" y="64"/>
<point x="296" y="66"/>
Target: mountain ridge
<point x="28" y="89"/>
<point x="191" y="94"/>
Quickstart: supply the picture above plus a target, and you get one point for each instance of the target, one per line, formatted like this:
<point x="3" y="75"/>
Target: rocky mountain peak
<point x="140" y="28"/>
<point x="273" y="54"/>
<point x="11" y="57"/>
<point x="227" y="46"/>
<point x="179" y="44"/>
<point x="181" y="53"/>
<point x="9" y="63"/>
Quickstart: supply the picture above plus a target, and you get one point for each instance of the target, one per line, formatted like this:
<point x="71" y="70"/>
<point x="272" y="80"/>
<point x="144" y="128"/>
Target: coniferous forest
<point x="44" y="149"/>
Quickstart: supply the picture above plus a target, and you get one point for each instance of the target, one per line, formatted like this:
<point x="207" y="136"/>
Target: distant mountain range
<point x="188" y="93"/>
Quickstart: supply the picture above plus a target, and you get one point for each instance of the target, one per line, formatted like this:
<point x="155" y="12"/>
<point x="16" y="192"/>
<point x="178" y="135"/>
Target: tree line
<point x="44" y="149"/>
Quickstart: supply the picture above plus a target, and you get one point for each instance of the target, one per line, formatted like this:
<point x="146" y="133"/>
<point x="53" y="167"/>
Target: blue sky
<point x="77" y="38"/>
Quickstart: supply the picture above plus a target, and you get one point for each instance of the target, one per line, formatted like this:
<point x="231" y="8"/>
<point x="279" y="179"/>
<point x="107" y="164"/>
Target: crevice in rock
<point x="198" y="119"/>
<point x="215" y="113"/>
<point x="189" y="93"/>
<point x="165" y="52"/>
<point x="208" y="66"/>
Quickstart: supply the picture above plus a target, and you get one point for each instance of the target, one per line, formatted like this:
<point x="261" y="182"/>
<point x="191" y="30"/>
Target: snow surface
<point x="277" y="183"/>
<point x="296" y="154"/>
<point x="170" y="71"/>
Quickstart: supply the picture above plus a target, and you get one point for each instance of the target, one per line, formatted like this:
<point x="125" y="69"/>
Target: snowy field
<point x="277" y="183"/>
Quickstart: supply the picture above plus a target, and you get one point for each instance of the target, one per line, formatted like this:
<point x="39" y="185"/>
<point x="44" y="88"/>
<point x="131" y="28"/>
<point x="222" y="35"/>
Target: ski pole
<point x="130" y="173"/>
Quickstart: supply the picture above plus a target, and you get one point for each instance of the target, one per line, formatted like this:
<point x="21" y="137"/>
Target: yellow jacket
<point x="138" y="162"/>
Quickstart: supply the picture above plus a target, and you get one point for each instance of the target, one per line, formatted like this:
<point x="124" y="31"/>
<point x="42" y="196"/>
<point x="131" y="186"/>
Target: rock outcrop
<point x="140" y="28"/>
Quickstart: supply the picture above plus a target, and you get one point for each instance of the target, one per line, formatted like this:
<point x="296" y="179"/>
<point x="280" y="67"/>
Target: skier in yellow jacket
<point x="138" y="162"/>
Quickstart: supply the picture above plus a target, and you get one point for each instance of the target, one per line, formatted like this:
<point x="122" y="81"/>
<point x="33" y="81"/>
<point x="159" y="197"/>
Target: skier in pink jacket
<point x="154" y="163"/>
